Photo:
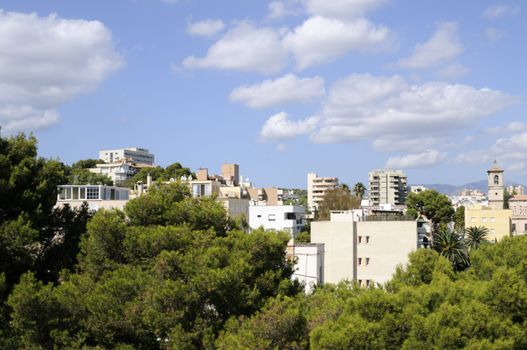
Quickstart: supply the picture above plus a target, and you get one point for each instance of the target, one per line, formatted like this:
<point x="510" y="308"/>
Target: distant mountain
<point x="451" y="190"/>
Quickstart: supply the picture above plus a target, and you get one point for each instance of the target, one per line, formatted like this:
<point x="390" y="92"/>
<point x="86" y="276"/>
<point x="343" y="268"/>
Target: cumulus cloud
<point x="244" y="48"/>
<point x="51" y="60"/>
<point x="509" y="128"/>
<point x="207" y="27"/>
<point x="288" y="88"/>
<point x="510" y="152"/>
<point x="342" y="8"/>
<point x="496" y="11"/>
<point x="368" y="107"/>
<point x="321" y="40"/>
<point x="279" y="126"/>
<point x="426" y="158"/>
<point x="283" y="8"/>
<point x="442" y="47"/>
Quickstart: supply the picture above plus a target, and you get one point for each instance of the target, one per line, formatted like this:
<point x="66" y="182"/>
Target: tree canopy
<point x="336" y="199"/>
<point x="430" y="203"/>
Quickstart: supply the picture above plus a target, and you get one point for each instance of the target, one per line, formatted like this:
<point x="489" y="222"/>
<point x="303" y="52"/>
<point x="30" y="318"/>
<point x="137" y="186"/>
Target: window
<point x="484" y="219"/>
<point x="513" y="227"/>
<point x="360" y="239"/>
<point x="360" y="261"/>
<point x="367" y="239"/>
<point x="367" y="261"/>
<point x="258" y="216"/>
<point x="92" y="193"/>
<point x="271" y="217"/>
<point x="472" y="219"/>
<point x="367" y="283"/>
<point x="496" y="180"/>
<point x="290" y="216"/>
<point x="492" y="219"/>
<point x="525" y="228"/>
<point x="360" y="283"/>
<point x="82" y="193"/>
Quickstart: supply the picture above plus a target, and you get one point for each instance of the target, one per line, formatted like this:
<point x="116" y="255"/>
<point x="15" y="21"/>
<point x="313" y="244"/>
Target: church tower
<point x="496" y="187"/>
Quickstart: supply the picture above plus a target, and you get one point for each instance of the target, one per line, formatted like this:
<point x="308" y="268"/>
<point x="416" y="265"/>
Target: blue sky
<point x="280" y="87"/>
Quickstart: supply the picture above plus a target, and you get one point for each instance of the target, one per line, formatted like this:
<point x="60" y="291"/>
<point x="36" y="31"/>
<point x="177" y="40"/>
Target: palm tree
<point x="451" y="245"/>
<point x="359" y="190"/>
<point x="476" y="236"/>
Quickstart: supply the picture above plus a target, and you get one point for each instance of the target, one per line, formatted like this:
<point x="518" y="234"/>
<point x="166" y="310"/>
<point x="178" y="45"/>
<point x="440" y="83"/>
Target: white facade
<point x="118" y="171"/>
<point x="317" y="188"/>
<point x="387" y="187"/>
<point x="287" y="218"/>
<point x="97" y="196"/>
<point x="134" y="154"/>
<point x="309" y="264"/>
<point x="366" y="252"/>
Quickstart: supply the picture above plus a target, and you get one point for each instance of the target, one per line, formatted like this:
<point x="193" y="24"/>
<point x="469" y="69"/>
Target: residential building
<point x="131" y="154"/>
<point x="266" y="196"/>
<point x="518" y="206"/>
<point x="118" y="171"/>
<point x="494" y="217"/>
<point x="97" y="196"/>
<point x="366" y="252"/>
<point x="417" y="188"/>
<point x="231" y="174"/>
<point x="308" y="264"/>
<point x="287" y="218"/>
<point x="317" y="188"/>
<point x="387" y="187"/>
<point x="518" y="190"/>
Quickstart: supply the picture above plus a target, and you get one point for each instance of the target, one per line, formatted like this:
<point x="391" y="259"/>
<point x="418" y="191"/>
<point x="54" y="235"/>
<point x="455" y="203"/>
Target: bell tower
<point x="495" y="186"/>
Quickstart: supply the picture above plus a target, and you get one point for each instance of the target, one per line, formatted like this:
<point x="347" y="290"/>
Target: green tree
<point x="336" y="199"/>
<point x="459" y="219"/>
<point x="359" y="189"/>
<point x="476" y="236"/>
<point x="452" y="246"/>
<point x="435" y="206"/>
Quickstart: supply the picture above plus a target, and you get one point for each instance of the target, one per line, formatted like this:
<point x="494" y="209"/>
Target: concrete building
<point x="97" y="196"/>
<point x="317" y="188"/>
<point x="131" y="154"/>
<point x="387" y="187"/>
<point x="231" y="174"/>
<point x="494" y="217"/>
<point x="518" y="206"/>
<point x="365" y="252"/>
<point x="119" y="171"/>
<point x="287" y="218"/>
<point x="417" y="188"/>
<point x="308" y="264"/>
<point x="266" y="196"/>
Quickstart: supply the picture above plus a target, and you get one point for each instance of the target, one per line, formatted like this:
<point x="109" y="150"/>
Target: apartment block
<point x="387" y="187"/>
<point x="131" y="154"/>
<point x="366" y="252"/>
<point x="97" y="196"/>
<point x="317" y="188"/>
<point x="288" y="218"/>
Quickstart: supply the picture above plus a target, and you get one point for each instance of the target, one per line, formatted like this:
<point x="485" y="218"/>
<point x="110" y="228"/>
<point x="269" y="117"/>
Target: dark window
<point x="496" y="180"/>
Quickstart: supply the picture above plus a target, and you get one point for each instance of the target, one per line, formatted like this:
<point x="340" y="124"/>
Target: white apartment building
<point x="117" y="171"/>
<point x="387" y="187"/>
<point x="317" y="188"/>
<point x="287" y="218"/>
<point x="131" y="154"/>
<point x="97" y="196"/>
<point x="308" y="264"/>
<point x="366" y="252"/>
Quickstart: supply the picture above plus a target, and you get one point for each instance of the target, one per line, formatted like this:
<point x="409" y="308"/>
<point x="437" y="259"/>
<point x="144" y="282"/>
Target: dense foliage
<point x="339" y="198"/>
<point x="173" y="272"/>
<point x="435" y="206"/>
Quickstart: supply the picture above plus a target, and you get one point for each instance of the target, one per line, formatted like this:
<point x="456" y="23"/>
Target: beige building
<point x="266" y="196"/>
<point x="317" y="188"/>
<point x="494" y="217"/>
<point x="518" y="206"/>
<point x="387" y="187"/>
<point x="231" y="174"/>
<point x="365" y="252"/>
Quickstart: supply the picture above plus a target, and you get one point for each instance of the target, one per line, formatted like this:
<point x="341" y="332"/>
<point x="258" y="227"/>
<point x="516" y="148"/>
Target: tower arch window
<point x="496" y="180"/>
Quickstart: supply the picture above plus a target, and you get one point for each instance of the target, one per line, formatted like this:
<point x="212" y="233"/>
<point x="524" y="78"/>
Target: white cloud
<point x="426" y="158"/>
<point x="493" y="34"/>
<point x="513" y="127"/>
<point x="288" y="88"/>
<point x="396" y="143"/>
<point x="279" y="126"/>
<point x="283" y="8"/>
<point x="510" y="152"/>
<point x="367" y="107"/>
<point x="342" y="8"/>
<point x="208" y="27"/>
<point x="454" y="70"/>
<point x="442" y="47"/>
<point x="50" y="60"/>
<point x="321" y="40"/>
<point x="498" y="11"/>
<point x="244" y="48"/>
